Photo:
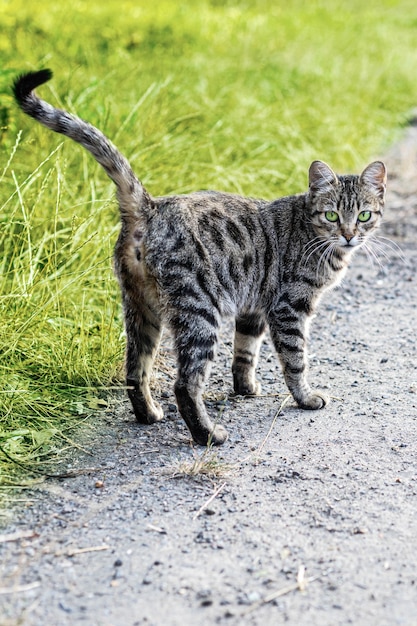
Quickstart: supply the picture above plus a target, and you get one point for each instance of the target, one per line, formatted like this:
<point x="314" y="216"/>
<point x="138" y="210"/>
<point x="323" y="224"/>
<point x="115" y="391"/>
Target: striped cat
<point x="188" y="261"/>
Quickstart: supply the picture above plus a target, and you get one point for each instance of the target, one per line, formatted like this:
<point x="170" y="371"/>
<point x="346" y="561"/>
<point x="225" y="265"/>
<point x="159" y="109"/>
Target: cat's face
<point x="345" y="210"/>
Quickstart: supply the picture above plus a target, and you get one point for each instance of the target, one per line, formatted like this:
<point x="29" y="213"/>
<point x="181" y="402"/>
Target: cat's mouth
<point x="349" y="241"/>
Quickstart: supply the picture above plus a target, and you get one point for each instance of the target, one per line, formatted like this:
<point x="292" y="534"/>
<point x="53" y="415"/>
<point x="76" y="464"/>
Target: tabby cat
<point x="189" y="260"/>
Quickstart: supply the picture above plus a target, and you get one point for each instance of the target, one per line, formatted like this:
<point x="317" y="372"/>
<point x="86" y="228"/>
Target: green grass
<point x="238" y="96"/>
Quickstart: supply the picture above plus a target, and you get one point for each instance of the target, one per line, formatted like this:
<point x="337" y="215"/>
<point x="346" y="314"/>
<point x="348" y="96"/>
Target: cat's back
<point x="193" y="206"/>
<point x="214" y="218"/>
<point x="222" y="223"/>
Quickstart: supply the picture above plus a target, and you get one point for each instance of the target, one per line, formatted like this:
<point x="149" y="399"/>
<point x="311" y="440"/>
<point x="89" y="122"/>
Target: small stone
<point x="205" y="597"/>
<point x="209" y="511"/>
<point x="253" y="596"/>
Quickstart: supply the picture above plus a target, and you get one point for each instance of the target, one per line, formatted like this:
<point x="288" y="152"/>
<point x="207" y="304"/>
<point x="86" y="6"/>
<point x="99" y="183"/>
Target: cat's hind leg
<point x="143" y="331"/>
<point x="196" y="348"/>
<point x="249" y="332"/>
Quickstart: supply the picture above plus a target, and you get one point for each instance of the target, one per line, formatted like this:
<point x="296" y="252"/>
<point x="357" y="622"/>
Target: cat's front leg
<point x="249" y="331"/>
<point x="289" y="333"/>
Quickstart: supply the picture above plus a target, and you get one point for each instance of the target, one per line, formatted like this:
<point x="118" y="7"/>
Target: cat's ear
<point x="375" y="178"/>
<point x="321" y="177"/>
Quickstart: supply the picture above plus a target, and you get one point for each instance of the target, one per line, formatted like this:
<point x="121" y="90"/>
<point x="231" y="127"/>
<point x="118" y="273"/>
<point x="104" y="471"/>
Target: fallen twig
<point x="156" y="529"/>
<point x="91" y="549"/>
<point x="300" y="585"/>
<point x="265" y="439"/>
<point x="206" y="504"/>
<point x="83" y="550"/>
<point x="23" y="534"/>
<point x="75" y="444"/>
<point x="19" y="588"/>
<point x="277" y="413"/>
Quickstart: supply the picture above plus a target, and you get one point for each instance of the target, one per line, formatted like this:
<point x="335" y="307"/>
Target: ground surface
<point x="313" y="515"/>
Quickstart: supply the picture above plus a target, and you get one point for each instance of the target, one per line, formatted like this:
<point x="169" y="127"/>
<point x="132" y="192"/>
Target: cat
<point x="189" y="260"/>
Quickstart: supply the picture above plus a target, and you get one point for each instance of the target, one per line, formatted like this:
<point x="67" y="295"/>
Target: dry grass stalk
<point x="210" y="500"/>
<point x="19" y="588"/>
<point x="24" y="534"/>
<point x="299" y="585"/>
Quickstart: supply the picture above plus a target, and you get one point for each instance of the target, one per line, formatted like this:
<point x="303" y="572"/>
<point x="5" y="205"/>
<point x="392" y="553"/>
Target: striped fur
<point x="188" y="261"/>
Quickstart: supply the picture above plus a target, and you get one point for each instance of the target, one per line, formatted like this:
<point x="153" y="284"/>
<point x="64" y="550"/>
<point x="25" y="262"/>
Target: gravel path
<point x="304" y="518"/>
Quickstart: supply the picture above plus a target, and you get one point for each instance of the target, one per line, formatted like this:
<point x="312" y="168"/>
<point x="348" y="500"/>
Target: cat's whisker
<point x="373" y="259"/>
<point x="390" y="245"/>
<point x="322" y="256"/>
<point x="313" y="242"/>
<point x="325" y="256"/>
<point x="382" y="248"/>
<point x="372" y="256"/>
<point x="312" y="250"/>
<point x="375" y="243"/>
<point x="369" y="255"/>
<point x="379" y="251"/>
<point x="312" y="247"/>
<point x="324" y="245"/>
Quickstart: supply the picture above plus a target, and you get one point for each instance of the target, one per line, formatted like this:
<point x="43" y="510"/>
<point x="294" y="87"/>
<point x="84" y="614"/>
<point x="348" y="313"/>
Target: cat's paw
<point x="214" y="437"/>
<point x="150" y="415"/>
<point x="155" y="413"/>
<point x="316" y="400"/>
<point x="247" y="389"/>
<point x="218" y="436"/>
<point x="146" y="412"/>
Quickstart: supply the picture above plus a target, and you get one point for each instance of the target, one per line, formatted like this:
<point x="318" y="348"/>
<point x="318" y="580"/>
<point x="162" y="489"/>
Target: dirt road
<point x="305" y="518"/>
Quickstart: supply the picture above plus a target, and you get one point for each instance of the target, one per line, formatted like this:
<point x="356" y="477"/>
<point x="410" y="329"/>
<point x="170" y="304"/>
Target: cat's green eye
<point x="331" y="216"/>
<point x="364" y="216"/>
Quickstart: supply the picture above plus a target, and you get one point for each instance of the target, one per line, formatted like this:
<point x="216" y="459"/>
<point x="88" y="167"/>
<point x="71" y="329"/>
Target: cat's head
<point x="346" y="209"/>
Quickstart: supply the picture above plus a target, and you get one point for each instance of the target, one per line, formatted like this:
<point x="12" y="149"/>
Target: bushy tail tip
<point x="25" y="83"/>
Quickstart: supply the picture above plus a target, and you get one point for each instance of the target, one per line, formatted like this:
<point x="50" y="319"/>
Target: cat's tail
<point x="133" y="198"/>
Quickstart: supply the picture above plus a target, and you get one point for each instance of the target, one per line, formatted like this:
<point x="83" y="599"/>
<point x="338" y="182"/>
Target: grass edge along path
<point x="202" y="95"/>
